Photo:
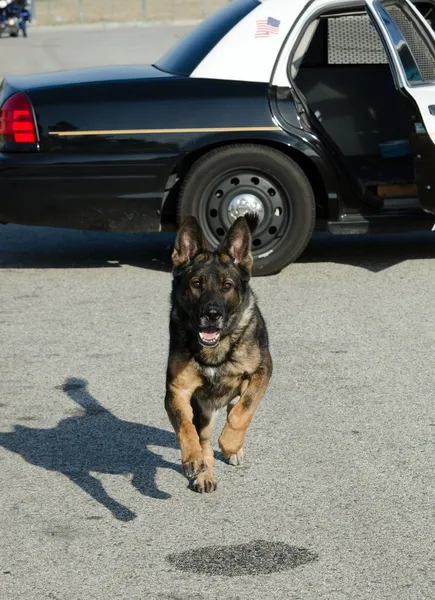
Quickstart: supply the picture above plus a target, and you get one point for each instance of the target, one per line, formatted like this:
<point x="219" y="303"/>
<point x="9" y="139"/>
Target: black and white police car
<point x="316" y="114"/>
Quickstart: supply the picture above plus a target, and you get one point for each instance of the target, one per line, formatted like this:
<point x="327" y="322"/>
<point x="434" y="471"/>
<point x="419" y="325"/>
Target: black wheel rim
<point x="237" y="192"/>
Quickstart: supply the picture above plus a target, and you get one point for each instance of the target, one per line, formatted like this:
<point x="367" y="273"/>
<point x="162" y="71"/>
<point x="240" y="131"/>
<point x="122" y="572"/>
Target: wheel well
<point x="169" y="212"/>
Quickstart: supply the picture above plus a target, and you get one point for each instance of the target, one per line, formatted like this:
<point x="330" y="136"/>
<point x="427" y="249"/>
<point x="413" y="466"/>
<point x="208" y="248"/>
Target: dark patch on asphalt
<point x="25" y="419"/>
<point x="256" y="558"/>
<point x="93" y="518"/>
<point x="2" y="405"/>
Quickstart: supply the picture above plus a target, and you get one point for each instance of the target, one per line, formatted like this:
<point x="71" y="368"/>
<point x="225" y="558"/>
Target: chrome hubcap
<point x="243" y="204"/>
<point x="236" y="193"/>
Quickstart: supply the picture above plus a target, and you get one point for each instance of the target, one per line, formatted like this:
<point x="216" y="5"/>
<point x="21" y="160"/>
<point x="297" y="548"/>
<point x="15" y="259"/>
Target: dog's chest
<point x="218" y="388"/>
<point x="210" y="373"/>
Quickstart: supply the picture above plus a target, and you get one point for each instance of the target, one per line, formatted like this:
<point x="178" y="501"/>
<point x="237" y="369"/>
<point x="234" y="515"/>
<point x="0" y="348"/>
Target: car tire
<point x="232" y="180"/>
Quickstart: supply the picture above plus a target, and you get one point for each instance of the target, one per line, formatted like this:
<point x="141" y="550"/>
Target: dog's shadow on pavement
<point x="95" y="441"/>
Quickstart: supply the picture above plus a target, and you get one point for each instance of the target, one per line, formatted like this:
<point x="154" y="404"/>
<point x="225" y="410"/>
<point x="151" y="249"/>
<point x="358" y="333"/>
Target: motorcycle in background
<point x="9" y="23"/>
<point x="14" y="16"/>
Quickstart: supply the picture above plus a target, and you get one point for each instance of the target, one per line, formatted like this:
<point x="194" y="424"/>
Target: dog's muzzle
<point x="211" y="324"/>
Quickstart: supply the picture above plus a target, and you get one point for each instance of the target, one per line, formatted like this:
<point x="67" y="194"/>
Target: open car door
<point x="410" y="44"/>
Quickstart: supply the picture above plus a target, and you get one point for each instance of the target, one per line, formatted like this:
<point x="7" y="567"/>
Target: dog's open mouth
<point x="209" y="337"/>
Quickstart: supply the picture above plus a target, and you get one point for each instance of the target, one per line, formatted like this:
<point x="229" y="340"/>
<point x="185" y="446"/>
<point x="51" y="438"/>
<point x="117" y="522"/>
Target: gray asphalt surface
<point x="336" y="498"/>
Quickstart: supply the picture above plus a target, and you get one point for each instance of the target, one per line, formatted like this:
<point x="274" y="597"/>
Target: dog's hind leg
<point x="204" y="423"/>
<point x="235" y="459"/>
<point x="232" y="438"/>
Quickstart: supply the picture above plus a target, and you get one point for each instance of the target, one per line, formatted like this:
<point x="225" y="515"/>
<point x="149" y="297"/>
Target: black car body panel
<point x="111" y="141"/>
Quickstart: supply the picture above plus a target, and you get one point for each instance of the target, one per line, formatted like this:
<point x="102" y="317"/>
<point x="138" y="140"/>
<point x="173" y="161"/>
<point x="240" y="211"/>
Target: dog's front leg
<point x="204" y="421"/>
<point x="232" y="438"/>
<point x="179" y="409"/>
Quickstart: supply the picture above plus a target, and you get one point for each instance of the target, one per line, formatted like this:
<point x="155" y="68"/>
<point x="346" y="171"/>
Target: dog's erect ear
<point x="239" y="240"/>
<point x="189" y="242"/>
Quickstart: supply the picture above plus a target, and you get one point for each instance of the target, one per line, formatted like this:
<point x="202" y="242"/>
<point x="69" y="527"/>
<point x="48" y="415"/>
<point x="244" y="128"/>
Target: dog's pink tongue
<point x="208" y="334"/>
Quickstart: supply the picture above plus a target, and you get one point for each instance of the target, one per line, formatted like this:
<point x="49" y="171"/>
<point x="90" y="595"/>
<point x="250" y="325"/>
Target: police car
<point x="318" y="115"/>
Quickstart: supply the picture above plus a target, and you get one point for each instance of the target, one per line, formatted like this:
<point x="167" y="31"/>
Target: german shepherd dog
<point x="218" y="349"/>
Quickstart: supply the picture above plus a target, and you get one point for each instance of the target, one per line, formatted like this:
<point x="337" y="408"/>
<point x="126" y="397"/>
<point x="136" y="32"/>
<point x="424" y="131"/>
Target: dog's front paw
<point x="231" y="441"/>
<point x="236" y="459"/>
<point x="194" y="465"/>
<point x="204" y="483"/>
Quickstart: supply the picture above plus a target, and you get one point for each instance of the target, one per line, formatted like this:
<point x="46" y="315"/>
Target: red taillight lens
<point x="17" y="124"/>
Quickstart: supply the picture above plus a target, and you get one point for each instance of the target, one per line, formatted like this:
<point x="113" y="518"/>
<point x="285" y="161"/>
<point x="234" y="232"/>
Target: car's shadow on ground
<point x="45" y="248"/>
<point x="95" y="441"/>
<point x="39" y="248"/>
<point x="373" y="253"/>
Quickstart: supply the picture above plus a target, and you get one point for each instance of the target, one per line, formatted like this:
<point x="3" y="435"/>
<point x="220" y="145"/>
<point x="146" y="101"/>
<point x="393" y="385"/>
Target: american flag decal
<point x="268" y="27"/>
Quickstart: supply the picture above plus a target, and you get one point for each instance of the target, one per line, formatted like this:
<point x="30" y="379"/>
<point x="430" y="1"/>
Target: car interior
<point x="342" y="70"/>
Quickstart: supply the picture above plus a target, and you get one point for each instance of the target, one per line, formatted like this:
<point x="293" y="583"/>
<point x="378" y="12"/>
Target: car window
<point x="191" y="50"/>
<point x="415" y="50"/>
<point x="352" y="40"/>
<point x="345" y="40"/>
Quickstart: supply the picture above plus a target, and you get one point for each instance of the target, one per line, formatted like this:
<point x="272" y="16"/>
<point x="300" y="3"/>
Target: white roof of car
<point x="246" y="54"/>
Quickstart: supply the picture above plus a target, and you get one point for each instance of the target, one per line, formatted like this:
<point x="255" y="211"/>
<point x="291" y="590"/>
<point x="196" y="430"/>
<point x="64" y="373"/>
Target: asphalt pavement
<point x="336" y="498"/>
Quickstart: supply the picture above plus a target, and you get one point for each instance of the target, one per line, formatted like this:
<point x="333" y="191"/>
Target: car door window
<point x="415" y="50"/>
<point x="352" y="40"/>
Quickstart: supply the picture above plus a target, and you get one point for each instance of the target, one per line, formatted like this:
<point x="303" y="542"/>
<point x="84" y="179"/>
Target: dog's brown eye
<point x="227" y="286"/>
<point x="196" y="283"/>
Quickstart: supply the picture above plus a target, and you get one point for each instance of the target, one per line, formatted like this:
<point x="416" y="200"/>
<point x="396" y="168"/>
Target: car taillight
<point x="17" y="122"/>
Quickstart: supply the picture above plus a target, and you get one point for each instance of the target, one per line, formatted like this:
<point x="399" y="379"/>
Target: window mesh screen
<point x="423" y="56"/>
<point x="353" y="40"/>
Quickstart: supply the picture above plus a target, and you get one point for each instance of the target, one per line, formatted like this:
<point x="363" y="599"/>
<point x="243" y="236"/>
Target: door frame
<point x="418" y="95"/>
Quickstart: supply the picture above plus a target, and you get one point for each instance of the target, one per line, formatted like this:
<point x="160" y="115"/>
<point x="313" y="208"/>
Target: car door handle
<point x="432" y="109"/>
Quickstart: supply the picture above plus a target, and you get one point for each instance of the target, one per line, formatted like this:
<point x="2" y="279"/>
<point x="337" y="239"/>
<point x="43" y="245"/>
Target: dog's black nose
<point x="212" y="315"/>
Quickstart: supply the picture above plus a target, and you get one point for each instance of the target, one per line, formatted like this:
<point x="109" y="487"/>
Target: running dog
<point x="218" y="349"/>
